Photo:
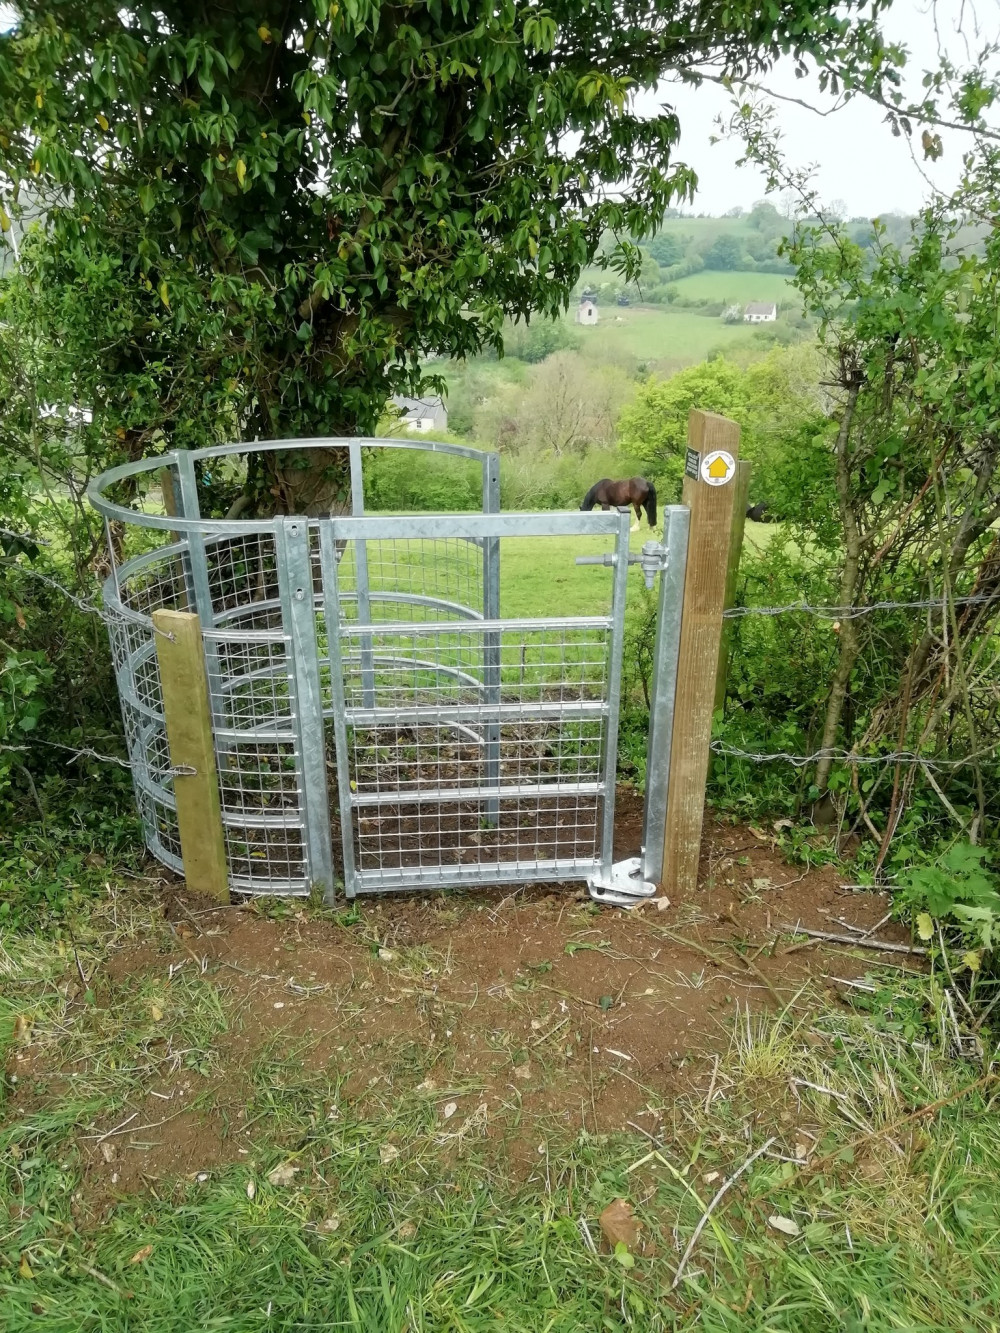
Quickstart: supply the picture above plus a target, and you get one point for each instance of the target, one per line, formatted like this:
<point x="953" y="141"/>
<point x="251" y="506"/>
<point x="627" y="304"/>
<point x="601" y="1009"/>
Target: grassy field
<point x="539" y="576"/>
<point x="713" y="285"/>
<point x="661" y="338"/>
<point x="867" y="1159"/>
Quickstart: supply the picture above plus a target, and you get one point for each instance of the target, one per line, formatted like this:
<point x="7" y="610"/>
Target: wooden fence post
<point x="709" y="492"/>
<point x="741" y="487"/>
<point x="189" y="733"/>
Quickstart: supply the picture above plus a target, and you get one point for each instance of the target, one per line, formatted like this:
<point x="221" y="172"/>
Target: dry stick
<point x="904" y="1120"/>
<point x="99" y="1276"/>
<point x="896" y="805"/>
<point x="951" y="978"/>
<point x="726" y="1185"/>
<point x="711" y="1086"/>
<point x="118" y="1128"/>
<point x="860" y="941"/>
<point x="877" y="926"/>
<point x="714" y="957"/>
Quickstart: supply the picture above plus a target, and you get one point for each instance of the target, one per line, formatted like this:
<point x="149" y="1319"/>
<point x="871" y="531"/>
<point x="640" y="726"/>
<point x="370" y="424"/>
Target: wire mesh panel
<point x="470" y="748"/>
<point x="257" y="587"/>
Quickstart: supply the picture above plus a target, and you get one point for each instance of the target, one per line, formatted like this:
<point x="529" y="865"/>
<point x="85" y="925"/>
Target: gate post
<point x="711" y="468"/>
<point x="298" y="611"/>
<point x="742" y="493"/>
<point x="183" y="680"/>
<point x="670" y="605"/>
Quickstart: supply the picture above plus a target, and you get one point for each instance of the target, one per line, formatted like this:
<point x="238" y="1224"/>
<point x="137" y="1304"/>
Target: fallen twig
<point x="918" y="1114"/>
<point x="99" y="1276"/>
<point x="118" y="1128"/>
<point x="860" y="941"/>
<point x="726" y="1185"/>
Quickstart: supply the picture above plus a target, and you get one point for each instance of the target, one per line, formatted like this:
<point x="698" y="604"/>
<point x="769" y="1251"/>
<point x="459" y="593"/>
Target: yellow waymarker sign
<point x="718" y="467"/>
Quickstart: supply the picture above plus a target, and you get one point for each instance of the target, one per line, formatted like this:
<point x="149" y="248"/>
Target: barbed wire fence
<point x="837" y="614"/>
<point x="719" y="747"/>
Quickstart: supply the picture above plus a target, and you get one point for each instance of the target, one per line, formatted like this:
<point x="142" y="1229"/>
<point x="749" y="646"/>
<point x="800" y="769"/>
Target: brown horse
<point x="634" y="491"/>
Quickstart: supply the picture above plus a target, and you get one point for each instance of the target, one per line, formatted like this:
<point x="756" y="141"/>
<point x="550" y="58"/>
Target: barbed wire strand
<point x="856" y="612"/>
<point x="81" y="603"/>
<point x="846" y="756"/>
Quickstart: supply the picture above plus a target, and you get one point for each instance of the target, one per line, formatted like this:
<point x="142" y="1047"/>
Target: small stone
<point x="279" y="1004"/>
<point x="388" y="1153"/>
<point x="386" y="955"/>
<point x="407" y="1231"/>
<point x="329" y="1225"/>
<point x="449" y="1110"/>
<point x="108" y="1151"/>
<point x="283" y="1175"/>
<point x="619" y="1226"/>
<point x="251" y="1189"/>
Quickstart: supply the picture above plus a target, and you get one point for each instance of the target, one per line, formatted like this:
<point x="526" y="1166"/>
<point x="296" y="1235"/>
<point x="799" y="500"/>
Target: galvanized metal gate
<point x="469" y="746"/>
<point x="387" y="713"/>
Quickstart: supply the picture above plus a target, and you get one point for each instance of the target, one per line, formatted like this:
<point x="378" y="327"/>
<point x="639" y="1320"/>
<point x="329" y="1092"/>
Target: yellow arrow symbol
<point x="718" y="468"/>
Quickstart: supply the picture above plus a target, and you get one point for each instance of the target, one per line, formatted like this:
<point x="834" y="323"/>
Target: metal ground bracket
<point x="624" y="887"/>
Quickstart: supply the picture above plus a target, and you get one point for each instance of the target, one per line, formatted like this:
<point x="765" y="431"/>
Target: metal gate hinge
<point x="624" y="887"/>
<point x="652" y="558"/>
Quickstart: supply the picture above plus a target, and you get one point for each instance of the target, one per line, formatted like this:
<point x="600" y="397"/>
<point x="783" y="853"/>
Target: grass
<point x="661" y="338"/>
<point x="883" y="1175"/>
<point x="713" y="285"/>
<point x="539" y="576"/>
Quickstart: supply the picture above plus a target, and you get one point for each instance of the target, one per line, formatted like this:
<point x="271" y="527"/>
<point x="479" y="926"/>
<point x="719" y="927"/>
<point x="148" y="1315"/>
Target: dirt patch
<point x="525" y="1015"/>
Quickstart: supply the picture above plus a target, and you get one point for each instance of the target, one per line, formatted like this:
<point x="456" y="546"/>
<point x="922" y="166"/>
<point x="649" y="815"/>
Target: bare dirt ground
<point x="517" y="1017"/>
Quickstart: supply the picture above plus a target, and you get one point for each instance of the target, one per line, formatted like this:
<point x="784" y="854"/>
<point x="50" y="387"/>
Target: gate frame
<point x="486" y="530"/>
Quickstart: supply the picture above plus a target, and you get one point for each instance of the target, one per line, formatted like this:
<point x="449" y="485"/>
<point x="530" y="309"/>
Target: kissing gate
<point x="395" y="702"/>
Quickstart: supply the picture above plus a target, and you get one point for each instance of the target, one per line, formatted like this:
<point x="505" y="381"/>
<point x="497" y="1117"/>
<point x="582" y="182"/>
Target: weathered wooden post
<point x="741" y="487"/>
<point x="184" y="683"/>
<point x="709" y="491"/>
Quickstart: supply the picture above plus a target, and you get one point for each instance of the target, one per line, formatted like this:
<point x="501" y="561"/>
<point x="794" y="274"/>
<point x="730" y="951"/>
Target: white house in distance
<point x="586" y="312"/>
<point x="760" y="312"/>
<point x="422" y="414"/>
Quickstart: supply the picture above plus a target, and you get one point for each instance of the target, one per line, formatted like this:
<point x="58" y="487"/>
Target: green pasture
<point x="658" y="336"/>
<point x="538" y="575"/>
<point x="713" y="285"/>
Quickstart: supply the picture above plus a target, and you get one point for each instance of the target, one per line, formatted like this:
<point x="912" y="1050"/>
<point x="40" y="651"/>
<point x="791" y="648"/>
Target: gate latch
<point x="652" y="558"/>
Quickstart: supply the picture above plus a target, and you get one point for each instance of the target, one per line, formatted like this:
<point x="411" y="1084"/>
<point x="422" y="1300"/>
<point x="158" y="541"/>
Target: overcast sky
<point x="858" y="159"/>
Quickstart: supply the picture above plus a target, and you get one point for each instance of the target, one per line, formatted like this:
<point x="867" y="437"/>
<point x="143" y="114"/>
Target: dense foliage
<point x="267" y="220"/>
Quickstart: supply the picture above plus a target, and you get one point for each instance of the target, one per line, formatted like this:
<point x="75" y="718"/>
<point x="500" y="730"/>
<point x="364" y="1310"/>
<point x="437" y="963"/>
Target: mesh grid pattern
<point x="472" y="744"/>
<point x="242" y="572"/>
<point x="250" y="698"/>
<point x="443" y="573"/>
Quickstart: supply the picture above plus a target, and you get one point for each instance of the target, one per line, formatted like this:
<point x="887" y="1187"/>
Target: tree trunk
<point x="849" y="641"/>
<point x="313" y="482"/>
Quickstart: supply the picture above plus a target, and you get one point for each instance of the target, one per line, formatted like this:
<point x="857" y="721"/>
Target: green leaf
<point x="622" y="1255"/>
